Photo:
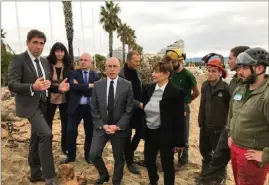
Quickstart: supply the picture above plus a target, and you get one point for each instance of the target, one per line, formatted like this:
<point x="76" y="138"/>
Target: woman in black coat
<point x="61" y="65"/>
<point x="163" y="124"/>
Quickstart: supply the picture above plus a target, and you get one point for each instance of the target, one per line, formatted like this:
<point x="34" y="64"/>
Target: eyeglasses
<point x="112" y="66"/>
<point x="81" y="59"/>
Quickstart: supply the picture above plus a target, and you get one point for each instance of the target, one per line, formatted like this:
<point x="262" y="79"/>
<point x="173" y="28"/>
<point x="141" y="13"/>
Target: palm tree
<point x="68" y="16"/>
<point x="110" y="20"/>
<point x="125" y="33"/>
<point x="138" y="48"/>
<point x="131" y="39"/>
<point x="3" y="36"/>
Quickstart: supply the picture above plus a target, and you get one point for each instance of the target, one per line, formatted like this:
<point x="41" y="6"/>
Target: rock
<point x="21" y="138"/>
<point x="66" y="172"/>
<point x="20" y="123"/>
<point x="5" y="94"/>
<point x="57" y="115"/>
<point x="109" y="166"/>
<point x="4" y="133"/>
<point x="3" y="125"/>
<point x="81" y="179"/>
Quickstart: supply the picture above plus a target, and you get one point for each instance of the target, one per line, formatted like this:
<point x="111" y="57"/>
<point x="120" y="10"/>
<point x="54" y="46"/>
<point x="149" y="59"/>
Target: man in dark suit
<point x="81" y="84"/>
<point x="112" y="104"/>
<point x="130" y="73"/>
<point x="29" y="77"/>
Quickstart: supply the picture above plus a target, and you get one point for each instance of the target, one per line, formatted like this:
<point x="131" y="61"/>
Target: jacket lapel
<point x="80" y="75"/>
<point x="117" y="90"/>
<point x="30" y="63"/>
<point x="168" y="91"/>
<point x="46" y="69"/>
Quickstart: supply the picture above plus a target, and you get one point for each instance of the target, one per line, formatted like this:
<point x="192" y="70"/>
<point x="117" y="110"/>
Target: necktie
<point x="110" y="104"/>
<point x="86" y="77"/>
<point x="40" y="74"/>
<point x="86" y="81"/>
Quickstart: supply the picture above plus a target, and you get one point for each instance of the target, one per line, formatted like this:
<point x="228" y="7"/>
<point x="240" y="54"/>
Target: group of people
<point x="233" y="119"/>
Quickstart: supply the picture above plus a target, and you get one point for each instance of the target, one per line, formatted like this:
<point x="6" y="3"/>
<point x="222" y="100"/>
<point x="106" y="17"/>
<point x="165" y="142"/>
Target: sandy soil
<point x="15" y="169"/>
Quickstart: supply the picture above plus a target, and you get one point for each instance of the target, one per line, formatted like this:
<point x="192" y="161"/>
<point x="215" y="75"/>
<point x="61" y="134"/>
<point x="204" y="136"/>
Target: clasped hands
<point x="110" y="129"/>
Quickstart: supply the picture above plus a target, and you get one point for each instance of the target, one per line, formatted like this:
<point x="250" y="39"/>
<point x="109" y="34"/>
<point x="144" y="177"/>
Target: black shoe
<point x="133" y="169"/>
<point x="154" y="184"/>
<point x="67" y="160"/>
<point x="37" y="179"/>
<point x="102" y="180"/>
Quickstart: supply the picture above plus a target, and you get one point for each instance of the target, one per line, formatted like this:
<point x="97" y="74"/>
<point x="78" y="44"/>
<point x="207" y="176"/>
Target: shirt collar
<point x="88" y="71"/>
<point x="115" y="80"/>
<point x="31" y="56"/>
<point x="161" y="88"/>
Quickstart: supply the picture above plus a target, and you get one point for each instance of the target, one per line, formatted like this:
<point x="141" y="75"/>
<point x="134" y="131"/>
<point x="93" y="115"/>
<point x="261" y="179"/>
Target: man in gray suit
<point x="111" y="106"/>
<point x="29" y="77"/>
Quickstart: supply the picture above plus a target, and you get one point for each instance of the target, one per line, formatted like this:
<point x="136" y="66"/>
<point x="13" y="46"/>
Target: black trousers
<point x="82" y="112"/>
<point x="207" y="144"/>
<point x="131" y="145"/>
<point x="64" y="119"/>
<point x="221" y="157"/>
<point x="40" y="150"/>
<point x="152" y="146"/>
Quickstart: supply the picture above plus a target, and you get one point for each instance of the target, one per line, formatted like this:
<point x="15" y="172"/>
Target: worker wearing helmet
<point x="216" y="173"/>
<point x="213" y="111"/>
<point x="185" y="80"/>
<point x="248" y="119"/>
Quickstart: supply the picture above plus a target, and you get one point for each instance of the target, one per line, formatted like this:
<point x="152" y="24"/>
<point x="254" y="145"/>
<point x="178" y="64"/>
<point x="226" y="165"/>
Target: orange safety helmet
<point x="216" y="62"/>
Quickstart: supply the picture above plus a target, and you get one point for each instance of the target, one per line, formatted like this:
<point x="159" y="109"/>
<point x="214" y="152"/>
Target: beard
<point x="250" y="80"/>
<point x="176" y="66"/>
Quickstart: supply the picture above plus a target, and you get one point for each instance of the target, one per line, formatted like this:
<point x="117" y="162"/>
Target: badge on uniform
<point x="238" y="97"/>
<point x="220" y="94"/>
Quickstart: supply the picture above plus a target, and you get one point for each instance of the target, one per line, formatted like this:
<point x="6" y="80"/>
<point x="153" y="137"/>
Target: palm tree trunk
<point x="123" y="52"/>
<point x="70" y="49"/>
<point x="110" y="40"/>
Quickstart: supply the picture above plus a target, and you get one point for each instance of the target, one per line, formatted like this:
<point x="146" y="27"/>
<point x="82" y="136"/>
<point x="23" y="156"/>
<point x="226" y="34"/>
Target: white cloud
<point x="205" y="26"/>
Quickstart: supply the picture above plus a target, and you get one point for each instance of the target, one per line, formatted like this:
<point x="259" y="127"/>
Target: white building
<point x="178" y="44"/>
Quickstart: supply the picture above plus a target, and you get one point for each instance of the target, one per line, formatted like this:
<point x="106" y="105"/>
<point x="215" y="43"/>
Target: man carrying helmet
<point x="248" y="119"/>
<point x="213" y="112"/>
<point x="185" y="80"/>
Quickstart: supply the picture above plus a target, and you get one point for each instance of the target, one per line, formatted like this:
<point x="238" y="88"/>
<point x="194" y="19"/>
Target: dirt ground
<point x="15" y="169"/>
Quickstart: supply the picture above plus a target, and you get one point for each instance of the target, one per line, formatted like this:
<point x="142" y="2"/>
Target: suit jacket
<point x="21" y="75"/>
<point x="135" y="121"/>
<point x="80" y="89"/>
<point x="123" y="108"/>
<point x="122" y="74"/>
<point x="172" y="115"/>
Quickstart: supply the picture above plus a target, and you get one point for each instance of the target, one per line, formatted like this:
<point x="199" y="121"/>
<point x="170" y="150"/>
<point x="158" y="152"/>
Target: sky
<point x="204" y="26"/>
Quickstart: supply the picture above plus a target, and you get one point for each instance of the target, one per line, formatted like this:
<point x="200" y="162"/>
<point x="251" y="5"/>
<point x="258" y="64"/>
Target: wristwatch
<point x="118" y="128"/>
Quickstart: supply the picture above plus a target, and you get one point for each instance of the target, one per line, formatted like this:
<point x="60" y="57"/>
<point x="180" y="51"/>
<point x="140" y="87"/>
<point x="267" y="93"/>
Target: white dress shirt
<point x="114" y="85"/>
<point x="152" y="109"/>
<point x="42" y="69"/>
